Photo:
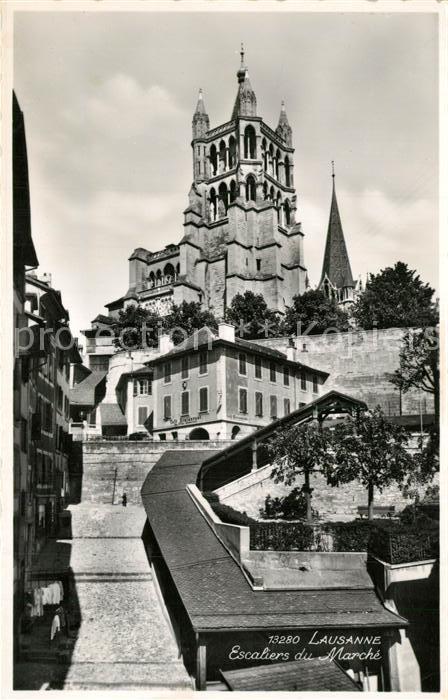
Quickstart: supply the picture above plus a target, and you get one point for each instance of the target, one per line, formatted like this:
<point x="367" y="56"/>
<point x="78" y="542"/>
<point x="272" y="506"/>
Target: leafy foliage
<point x="369" y="449"/>
<point x="314" y="313"/>
<point x="297" y="451"/>
<point x="227" y="513"/>
<point x="419" y="363"/>
<point x="395" y="298"/>
<point x="251" y="317"/>
<point x="186" y="318"/>
<point x="290" y="507"/>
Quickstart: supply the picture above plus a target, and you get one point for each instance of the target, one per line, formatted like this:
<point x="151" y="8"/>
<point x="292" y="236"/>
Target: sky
<point x="108" y="100"/>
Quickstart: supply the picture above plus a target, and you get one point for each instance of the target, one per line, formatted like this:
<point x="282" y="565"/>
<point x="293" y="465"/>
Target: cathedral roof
<point x="246" y="101"/>
<point x="200" y="107"/>
<point x="336" y="265"/>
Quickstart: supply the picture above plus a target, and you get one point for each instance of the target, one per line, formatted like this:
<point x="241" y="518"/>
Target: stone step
<point x="98" y="676"/>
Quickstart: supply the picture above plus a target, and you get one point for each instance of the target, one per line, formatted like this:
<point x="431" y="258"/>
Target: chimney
<point x="165" y="343"/>
<point x="226" y="332"/>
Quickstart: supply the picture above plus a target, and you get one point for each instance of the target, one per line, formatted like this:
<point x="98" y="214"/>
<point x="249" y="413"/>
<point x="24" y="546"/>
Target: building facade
<point x="240" y="228"/>
<point x="216" y="386"/>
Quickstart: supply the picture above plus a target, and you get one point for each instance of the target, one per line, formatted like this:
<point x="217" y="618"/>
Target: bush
<point x="211" y="497"/>
<point x="397" y="543"/>
<point x="282" y="536"/>
<point x="226" y="513"/>
<point x="290" y="507"/>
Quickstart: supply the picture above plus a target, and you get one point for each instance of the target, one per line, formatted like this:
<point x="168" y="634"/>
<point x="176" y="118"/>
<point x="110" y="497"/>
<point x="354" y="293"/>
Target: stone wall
<point x="332" y="503"/>
<point x="132" y="462"/>
<point x="360" y="364"/>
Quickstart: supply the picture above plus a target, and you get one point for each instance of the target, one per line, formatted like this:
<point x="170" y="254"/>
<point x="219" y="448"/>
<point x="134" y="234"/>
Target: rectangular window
<point x="258" y="264"/>
<point x="203" y="362"/>
<point x="287" y="406"/>
<point x="303" y="380"/>
<point x="142" y="414"/>
<point x="257" y="367"/>
<point x="185" y="403"/>
<point x="243" y="400"/>
<point x="286" y="375"/>
<point x="185" y="367"/>
<point x="315" y="384"/>
<point x="258" y="404"/>
<point x="167" y="407"/>
<point x="272" y="373"/>
<point x="135" y="387"/>
<point x="203" y="399"/>
<point x="273" y="402"/>
<point x="242" y="368"/>
<point x="167" y="372"/>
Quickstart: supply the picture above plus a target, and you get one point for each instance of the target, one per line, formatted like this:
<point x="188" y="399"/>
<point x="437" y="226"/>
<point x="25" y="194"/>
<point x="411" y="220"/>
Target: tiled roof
<point x="302" y="675"/>
<point x="83" y="393"/>
<point x="111" y="414"/>
<point x="211" y="584"/>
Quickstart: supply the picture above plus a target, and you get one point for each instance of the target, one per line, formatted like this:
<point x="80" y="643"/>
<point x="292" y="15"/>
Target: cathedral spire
<point x="283" y="129"/>
<point x="246" y="101"/>
<point x="336" y="270"/>
<point x="201" y="121"/>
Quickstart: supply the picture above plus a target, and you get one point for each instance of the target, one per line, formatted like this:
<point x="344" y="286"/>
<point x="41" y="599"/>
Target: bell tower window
<point x="250" y="143"/>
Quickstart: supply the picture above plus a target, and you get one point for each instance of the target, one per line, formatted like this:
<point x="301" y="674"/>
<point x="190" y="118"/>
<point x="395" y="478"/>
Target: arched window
<point x="265" y="190"/>
<point x="272" y="194"/>
<point x="152" y="280"/>
<point x="223" y="202"/>
<point x="264" y="154"/>
<point x="251" y="189"/>
<point x="287" y="208"/>
<point x="177" y="270"/>
<point x="287" y="172"/>
<point x="213" y="203"/>
<point x="168" y="273"/>
<point x="278" y="204"/>
<point x="214" y="159"/>
<point x="271" y="159"/>
<point x="277" y="160"/>
<point x="222" y="156"/>
<point x="158" y="278"/>
<point x="232" y="152"/>
<point x="232" y="191"/>
<point x="250" y="142"/>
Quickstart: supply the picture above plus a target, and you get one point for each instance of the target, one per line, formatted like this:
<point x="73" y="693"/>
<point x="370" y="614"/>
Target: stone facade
<point x="240" y="229"/>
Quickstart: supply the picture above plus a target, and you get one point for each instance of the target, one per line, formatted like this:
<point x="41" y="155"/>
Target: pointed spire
<point x="246" y="101"/>
<point x="283" y="129"/>
<point x="201" y="121"/>
<point x="336" y="266"/>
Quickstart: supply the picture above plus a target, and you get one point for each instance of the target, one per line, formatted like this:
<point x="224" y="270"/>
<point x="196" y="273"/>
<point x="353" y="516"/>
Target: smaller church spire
<point x="246" y="101"/>
<point x="201" y="121"/>
<point x="336" y="269"/>
<point x="283" y="129"/>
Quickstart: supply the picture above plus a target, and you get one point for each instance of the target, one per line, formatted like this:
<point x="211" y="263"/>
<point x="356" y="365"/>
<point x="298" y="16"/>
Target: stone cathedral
<point x="240" y="227"/>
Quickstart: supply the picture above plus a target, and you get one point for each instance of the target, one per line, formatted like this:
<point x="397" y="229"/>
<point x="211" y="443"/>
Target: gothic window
<point x="223" y="202"/>
<point x="158" y="278"/>
<point x="287" y="208"/>
<point x="251" y="189"/>
<point x="277" y="160"/>
<point x="232" y="152"/>
<point x="177" y="269"/>
<point x="232" y="191"/>
<point x="271" y="194"/>
<point x="278" y="204"/>
<point x="214" y="159"/>
<point x="213" y="205"/>
<point x="287" y="172"/>
<point x="168" y="273"/>
<point x="250" y="141"/>
<point x="222" y="156"/>
<point x="264" y="154"/>
<point x="271" y="159"/>
<point x="265" y="191"/>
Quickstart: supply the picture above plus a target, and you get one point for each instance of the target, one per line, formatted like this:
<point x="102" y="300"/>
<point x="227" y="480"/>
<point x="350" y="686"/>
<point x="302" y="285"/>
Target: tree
<point x="370" y="449"/>
<point x="186" y="318"/>
<point x="313" y="312"/>
<point x="419" y="364"/>
<point x="395" y="298"/>
<point x="297" y="451"/>
<point x="250" y="315"/>
<point x="137" y="328"/>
